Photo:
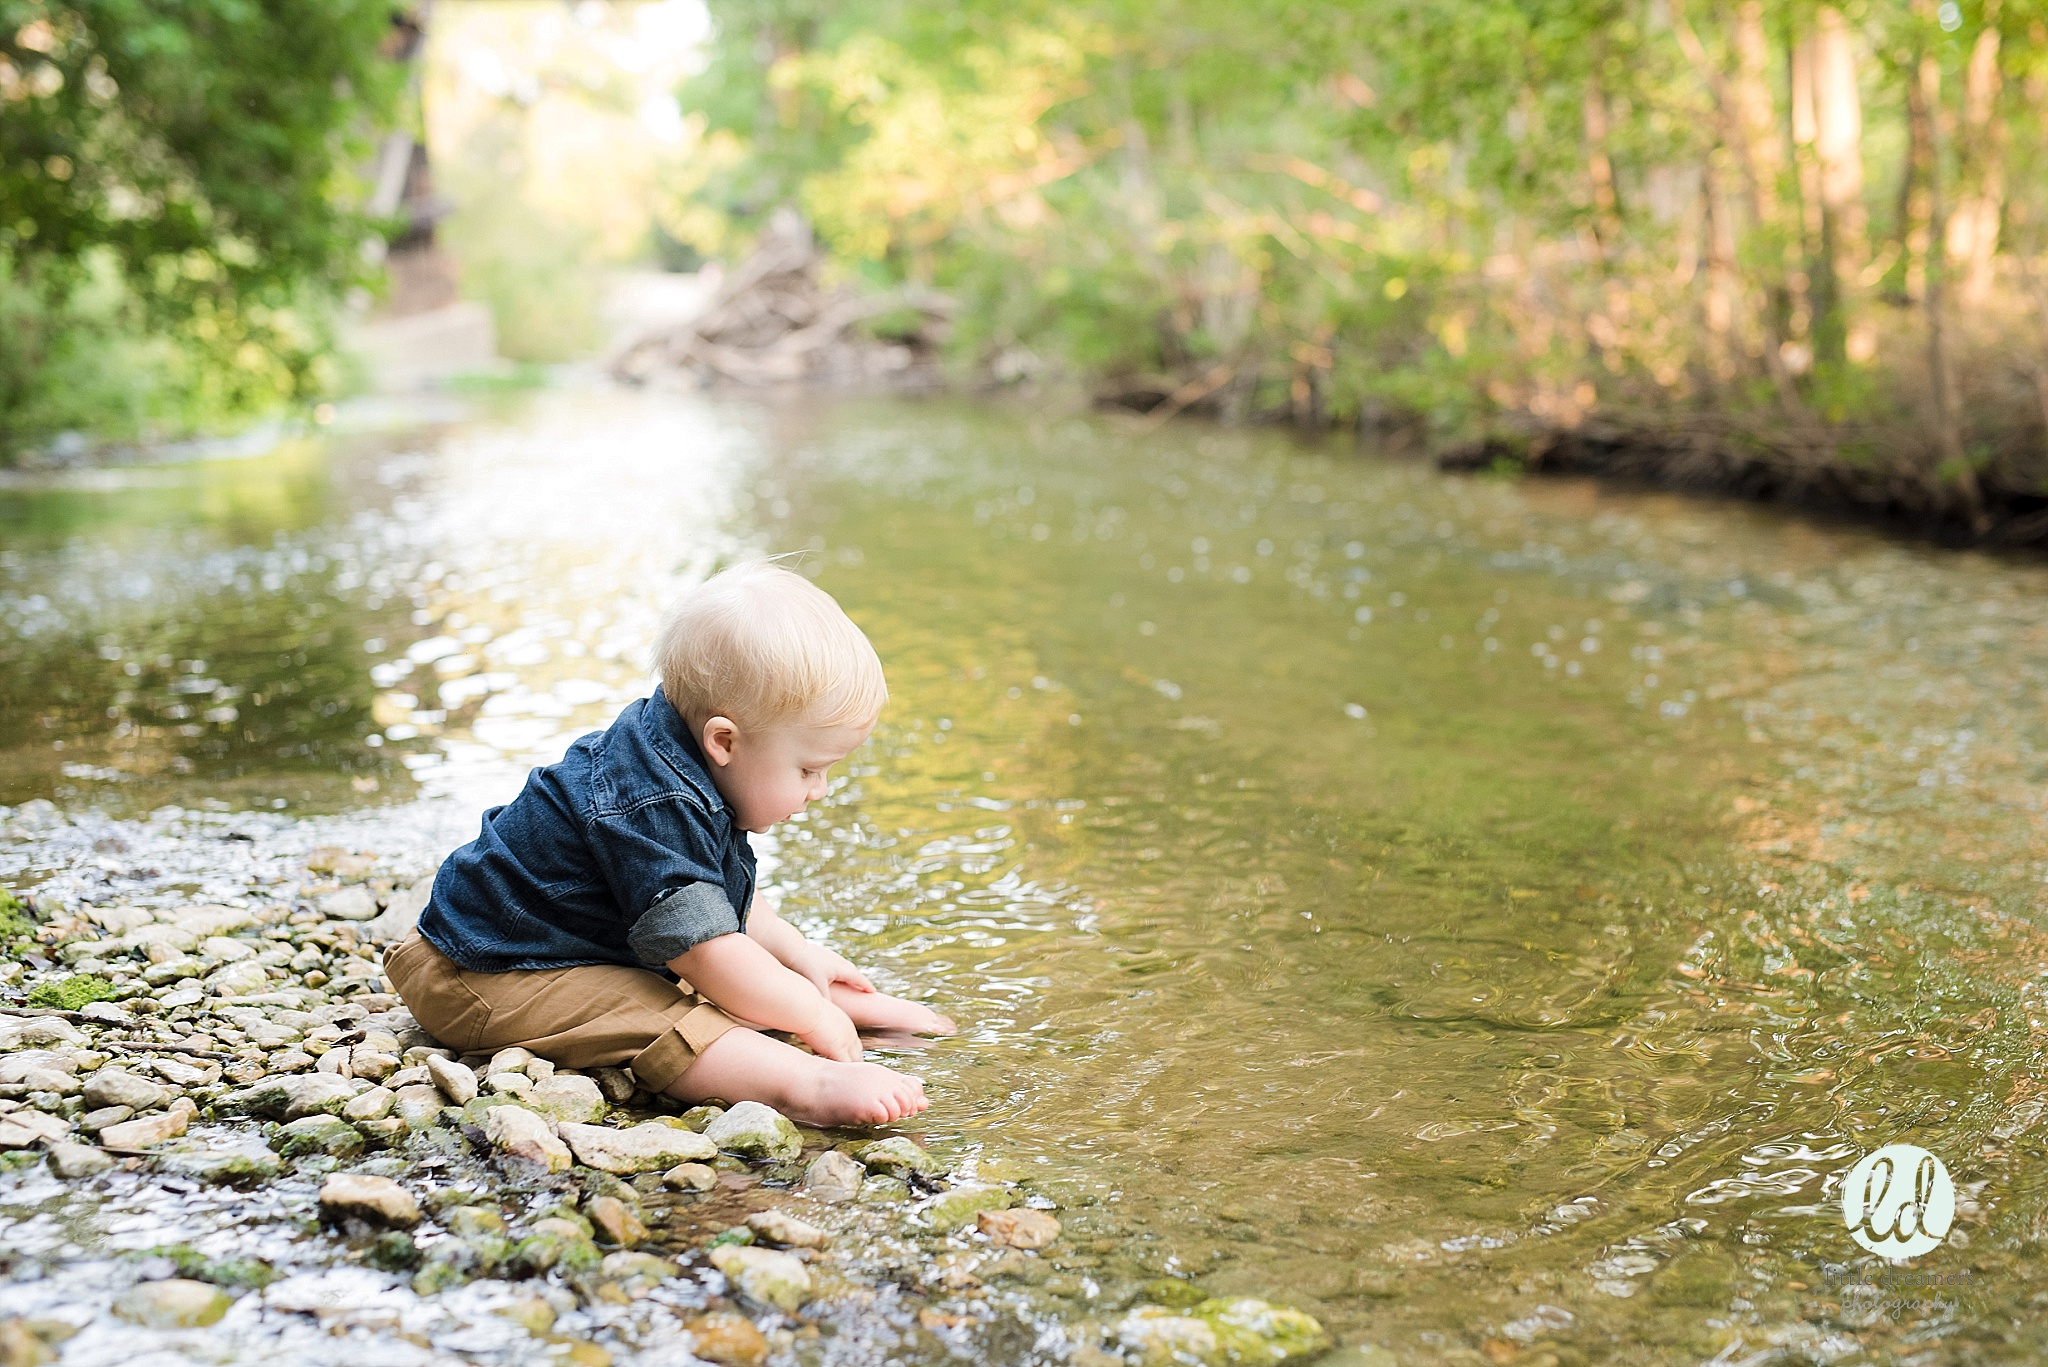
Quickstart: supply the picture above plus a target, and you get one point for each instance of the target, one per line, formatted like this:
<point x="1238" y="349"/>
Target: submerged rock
<point x="834" y="1176"/>
<point x="950" y="1210"/>
<point x="896" y="1157"/>
<point x="764" y="1275"/>
<point x="636" y="1271"/>
<point x="291" y="1097"/>
<point x="1019" y="1227"/>
<point x="728" y="1337"/>
<point x="778" y="1228"/>
<point x="616" y="1222"/>
<point x="176" y="1303"/>
<point x="1239" y="1331"/>
<point x="690" y="1177"/>
<point x="753" y="1130"/>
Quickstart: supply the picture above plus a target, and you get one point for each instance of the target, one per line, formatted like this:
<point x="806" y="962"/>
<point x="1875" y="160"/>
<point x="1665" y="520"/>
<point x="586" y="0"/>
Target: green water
<point x="1489" y="916"/>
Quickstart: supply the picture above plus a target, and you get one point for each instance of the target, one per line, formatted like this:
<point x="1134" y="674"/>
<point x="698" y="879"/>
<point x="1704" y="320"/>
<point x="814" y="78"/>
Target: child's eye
<point x="812" y="773"/>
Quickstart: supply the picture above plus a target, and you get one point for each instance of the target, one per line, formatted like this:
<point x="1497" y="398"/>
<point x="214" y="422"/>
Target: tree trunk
<point x="1756" y="114"/>
<point x="1925" y="104"/>
<point x="1972" y="236"/>
<point x="1600" y="170"/>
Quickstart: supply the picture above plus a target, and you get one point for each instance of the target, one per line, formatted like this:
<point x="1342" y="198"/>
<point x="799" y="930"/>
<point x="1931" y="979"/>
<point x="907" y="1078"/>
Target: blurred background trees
<point x="1770" y="242"/>
<point x="1767" y="244"/>
<point x="174" y="221"/>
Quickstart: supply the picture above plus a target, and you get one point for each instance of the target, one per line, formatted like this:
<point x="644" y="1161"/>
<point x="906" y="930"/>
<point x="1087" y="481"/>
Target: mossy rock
<point x="392" y="1251"/>
<point x="895" y="1157"/>
<point x="1255" y="1331"/>
<point x="73" y="993"/>
<point x="953" y="1209"/>
<point x="1172" y="1292"/>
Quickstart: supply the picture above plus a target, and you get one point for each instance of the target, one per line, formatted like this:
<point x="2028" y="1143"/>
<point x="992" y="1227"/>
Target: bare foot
<point x="746" y="1065"/>
<point x="880" y="1011"/>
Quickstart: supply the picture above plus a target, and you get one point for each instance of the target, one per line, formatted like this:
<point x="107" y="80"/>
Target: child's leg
<point x="745" y="1065"/>
<point x="880" y="1011"/>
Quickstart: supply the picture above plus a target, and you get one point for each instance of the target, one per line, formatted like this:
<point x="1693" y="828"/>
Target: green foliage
<point x="17" y="926"/>
<point x="1498" y="214"/>
<point x="172" y="182"/>
<point x="72" y="993"/>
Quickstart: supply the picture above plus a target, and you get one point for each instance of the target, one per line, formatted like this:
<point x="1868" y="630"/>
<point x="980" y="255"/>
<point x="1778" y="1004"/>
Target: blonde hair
<point x="761" y="645"/>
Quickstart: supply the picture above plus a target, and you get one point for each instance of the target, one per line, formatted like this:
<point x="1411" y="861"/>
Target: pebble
<point x="378" y="1200"/>
<point x="690" y="1177"/>
<point x="320" y="1134"/>
<point x="753" y="1130"/>
<point x="1019" y="1227"/>
<point x="456" y="1082"/>
<point x="26" y="1128"/>
<point x="651" y="1147"/>
<point x="779" y="1228"/>
<point x="144" y="1133"/>
<point x="728" y="1337"/>
<point x="349" y="904"/>
<point x="72" y="1161"/>
<point x="764" y="1275"/>
<point x="570" y="1098"/>
<point x="523" y="1135"/>
<point x="963" y="1205"/>
<point x="418" y="1104"/>
<point x="616" y="1084"/>
<point x="374" y="1104"/>
<point x="175" y="1303"/>
<point x="616" y="1222"/>
<point x="895" y="1157"/>
<point x="118" y="1087"/>
<point x="833" y="1176"/>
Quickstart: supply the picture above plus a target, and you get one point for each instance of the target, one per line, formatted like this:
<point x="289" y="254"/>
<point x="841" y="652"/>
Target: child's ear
<point x="717" y="738"/>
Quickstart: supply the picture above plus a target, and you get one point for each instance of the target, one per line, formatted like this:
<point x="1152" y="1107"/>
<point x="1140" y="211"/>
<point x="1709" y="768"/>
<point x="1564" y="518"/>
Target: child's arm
<point x="821" y="966"/>
<point x="739" y="975"/>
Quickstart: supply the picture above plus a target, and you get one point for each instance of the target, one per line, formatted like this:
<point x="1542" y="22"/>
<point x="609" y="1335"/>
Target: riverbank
<point x="220" y="1132"/>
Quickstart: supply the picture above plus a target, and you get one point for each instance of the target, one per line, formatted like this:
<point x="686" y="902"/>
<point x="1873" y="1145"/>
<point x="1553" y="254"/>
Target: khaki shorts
<point x="590" y="1016"/>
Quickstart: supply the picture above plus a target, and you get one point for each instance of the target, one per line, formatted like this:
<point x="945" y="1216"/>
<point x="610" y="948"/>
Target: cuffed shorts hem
<point x="588" y="1016"/>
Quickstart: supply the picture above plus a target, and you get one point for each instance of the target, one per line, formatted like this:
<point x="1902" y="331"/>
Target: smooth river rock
<point x="651" y="1147"/>
<point x="119" y="1087"/>
<point x="764" y="1275"/>
<point x="456" y="1082"/>
<point x="754" y="1130"/>
<point x="522" y="1135"/>
<point x="378" y="1200"/>
<point x="834" y="1176"/>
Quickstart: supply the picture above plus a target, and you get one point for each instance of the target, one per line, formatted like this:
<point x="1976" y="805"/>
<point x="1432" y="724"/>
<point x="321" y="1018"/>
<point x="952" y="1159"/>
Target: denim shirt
<point x="622" y="852"/>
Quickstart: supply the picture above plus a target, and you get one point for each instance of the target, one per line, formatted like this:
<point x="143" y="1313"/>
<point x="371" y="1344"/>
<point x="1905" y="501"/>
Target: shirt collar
<point x="671" y="735"/>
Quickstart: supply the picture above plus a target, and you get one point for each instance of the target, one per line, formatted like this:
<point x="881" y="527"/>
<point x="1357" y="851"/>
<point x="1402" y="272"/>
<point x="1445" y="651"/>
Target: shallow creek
<point x="1488" y="916"/>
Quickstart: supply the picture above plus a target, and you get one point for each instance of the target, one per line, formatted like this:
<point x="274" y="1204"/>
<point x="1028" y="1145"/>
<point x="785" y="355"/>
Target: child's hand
<point x="833" y="1036"/>
<point x="824" y="967"/>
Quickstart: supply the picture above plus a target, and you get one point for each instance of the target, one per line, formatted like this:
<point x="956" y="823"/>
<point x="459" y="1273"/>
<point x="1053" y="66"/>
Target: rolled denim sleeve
<point x="662" y="862"/>
<point x="680" y="921"/>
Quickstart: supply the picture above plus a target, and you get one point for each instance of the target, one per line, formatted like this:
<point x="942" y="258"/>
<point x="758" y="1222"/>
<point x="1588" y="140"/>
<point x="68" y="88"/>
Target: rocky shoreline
<point x="220" y="1129"/>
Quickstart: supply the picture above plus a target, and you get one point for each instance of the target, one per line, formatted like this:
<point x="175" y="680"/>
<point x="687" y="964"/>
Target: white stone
<point x="348" y="904"/>
<point x="652" y="1147"/>
<point x="456" y="1082"/>
<point x="524" y="1135"/>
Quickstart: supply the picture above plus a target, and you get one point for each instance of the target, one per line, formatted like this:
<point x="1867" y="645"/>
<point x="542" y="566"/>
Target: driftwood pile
<point x="771" y="321"/>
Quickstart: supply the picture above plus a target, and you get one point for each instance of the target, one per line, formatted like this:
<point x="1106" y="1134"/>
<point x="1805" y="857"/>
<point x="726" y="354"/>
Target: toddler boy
<point x="607" y="915"/>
